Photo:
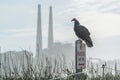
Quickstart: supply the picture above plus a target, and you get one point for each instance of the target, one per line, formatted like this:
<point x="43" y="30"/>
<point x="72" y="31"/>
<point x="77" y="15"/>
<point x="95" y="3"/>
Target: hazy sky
<point x="18" y="21"/>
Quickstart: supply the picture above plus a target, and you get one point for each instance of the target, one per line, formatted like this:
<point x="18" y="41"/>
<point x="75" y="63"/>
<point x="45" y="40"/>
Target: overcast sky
<point x="18" y="21"/>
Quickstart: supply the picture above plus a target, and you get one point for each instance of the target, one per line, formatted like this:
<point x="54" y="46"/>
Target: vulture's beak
<point x="73" y="19"/>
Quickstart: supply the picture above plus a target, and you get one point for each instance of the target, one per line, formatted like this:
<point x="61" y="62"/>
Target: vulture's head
<point x="74" y="19"/>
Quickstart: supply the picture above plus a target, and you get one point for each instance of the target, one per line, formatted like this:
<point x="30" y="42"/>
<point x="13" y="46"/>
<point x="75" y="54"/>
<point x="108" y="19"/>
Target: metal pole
<point x="103" y="66"/>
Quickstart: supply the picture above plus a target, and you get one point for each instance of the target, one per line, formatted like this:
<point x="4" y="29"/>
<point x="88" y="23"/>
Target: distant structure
<point x="39" y="49"/>
<point x="50" y="30"/>
<point x="52" y="47"/>
<point x="39" y="34"/>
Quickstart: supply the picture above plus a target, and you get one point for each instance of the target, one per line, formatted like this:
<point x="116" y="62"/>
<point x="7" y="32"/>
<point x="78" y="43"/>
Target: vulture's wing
<point x="85" y="30"/>
<point x="81" y="31"/>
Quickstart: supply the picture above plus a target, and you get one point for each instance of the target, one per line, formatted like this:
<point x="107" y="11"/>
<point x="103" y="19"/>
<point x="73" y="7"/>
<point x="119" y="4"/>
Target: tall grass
<point x="28" y="68"/>
<point x="45" y="68"/>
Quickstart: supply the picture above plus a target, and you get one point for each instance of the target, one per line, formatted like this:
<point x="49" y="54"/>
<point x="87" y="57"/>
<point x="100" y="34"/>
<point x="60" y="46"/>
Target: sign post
<point x="80" y="57"/>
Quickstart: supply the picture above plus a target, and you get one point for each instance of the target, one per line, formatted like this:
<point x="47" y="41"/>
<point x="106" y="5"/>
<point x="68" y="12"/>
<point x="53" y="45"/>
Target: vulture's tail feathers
<point x="89" y="42"/>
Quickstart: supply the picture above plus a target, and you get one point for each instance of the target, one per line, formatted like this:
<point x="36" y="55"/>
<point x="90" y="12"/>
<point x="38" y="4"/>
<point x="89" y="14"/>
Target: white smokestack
<point x="39" y="33"/>
<point x="50" y="32"/>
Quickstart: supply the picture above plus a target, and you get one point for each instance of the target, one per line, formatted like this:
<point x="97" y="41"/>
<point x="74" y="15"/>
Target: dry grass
<point x="45" y="68"/>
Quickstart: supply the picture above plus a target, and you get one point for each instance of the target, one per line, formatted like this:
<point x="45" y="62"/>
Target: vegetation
<point x="48" y="68"/>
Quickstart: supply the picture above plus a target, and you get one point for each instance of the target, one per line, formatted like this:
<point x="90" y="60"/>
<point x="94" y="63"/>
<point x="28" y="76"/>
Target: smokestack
<point x="39" y="33"/>
<point x="50" y="32"/>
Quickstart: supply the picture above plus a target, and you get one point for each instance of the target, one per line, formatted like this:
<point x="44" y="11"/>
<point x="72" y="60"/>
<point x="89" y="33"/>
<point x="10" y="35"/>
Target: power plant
<point x="25" y="60"/>
<point x="39" y="44"/>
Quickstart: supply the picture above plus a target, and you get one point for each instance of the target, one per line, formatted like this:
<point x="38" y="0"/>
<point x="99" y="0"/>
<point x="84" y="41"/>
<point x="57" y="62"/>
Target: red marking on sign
<point x="81" y="54"/>
<point x="81" y="59"/>
<point x="81" y="64"/>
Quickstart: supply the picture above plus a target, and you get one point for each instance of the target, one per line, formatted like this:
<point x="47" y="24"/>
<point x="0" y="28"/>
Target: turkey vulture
<point x="82" y="32"/>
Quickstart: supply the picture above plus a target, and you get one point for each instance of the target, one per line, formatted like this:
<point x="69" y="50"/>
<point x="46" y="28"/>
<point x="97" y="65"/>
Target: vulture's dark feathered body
<point x="82" y="33"/>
